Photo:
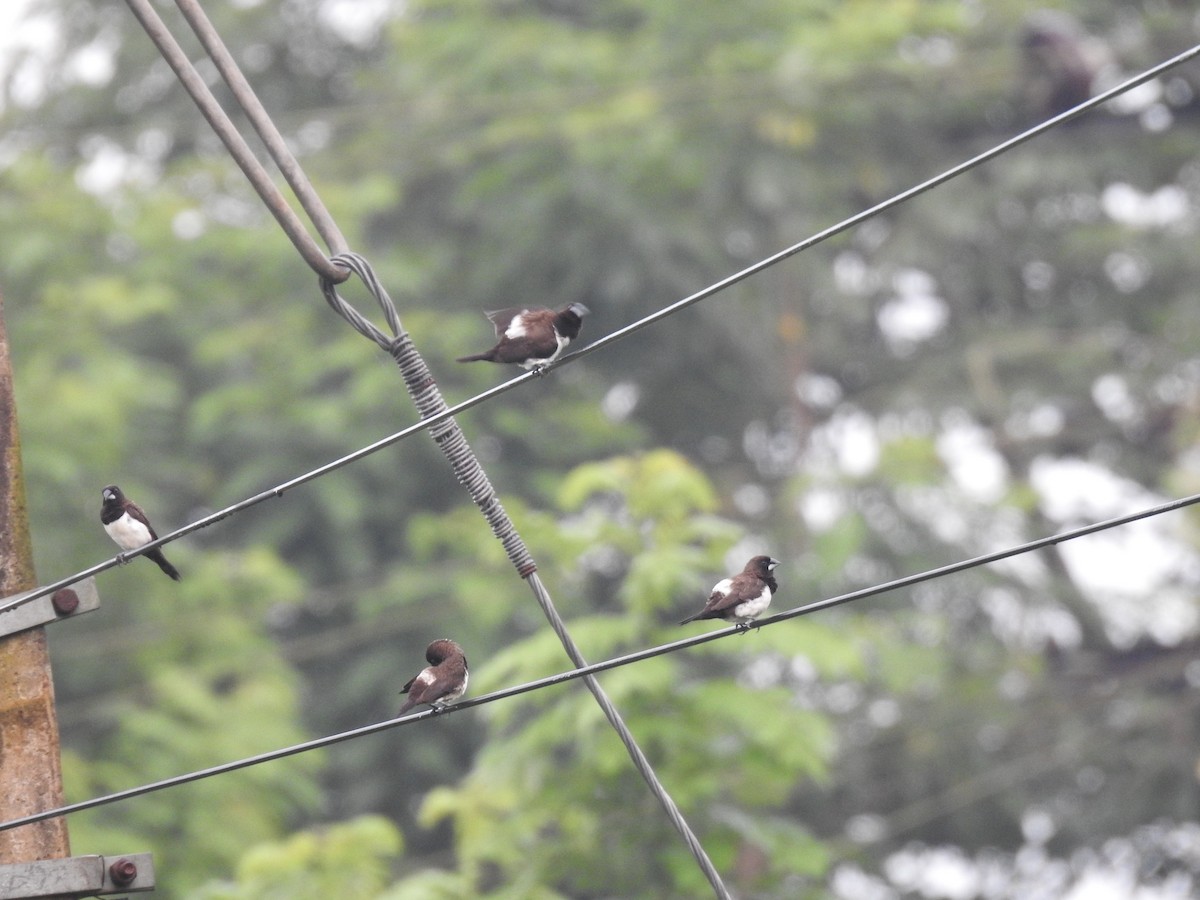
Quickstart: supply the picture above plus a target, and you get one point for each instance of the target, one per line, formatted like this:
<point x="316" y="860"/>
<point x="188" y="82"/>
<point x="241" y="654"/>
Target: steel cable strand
<point x="271" y="137"/>
<point x="239" y="150"/>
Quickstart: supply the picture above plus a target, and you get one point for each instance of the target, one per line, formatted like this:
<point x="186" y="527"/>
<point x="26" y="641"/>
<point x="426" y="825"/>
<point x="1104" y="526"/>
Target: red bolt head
<point x="123" y="872"/>
<point x="65" y="601"/>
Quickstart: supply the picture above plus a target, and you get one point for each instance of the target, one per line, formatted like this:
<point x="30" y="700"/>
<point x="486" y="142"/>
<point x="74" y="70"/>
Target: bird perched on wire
<point x="442" y="682"/>
<point x="128" y="526"/>
<point x="531" y="337"/>
<point x="743" y="597"/>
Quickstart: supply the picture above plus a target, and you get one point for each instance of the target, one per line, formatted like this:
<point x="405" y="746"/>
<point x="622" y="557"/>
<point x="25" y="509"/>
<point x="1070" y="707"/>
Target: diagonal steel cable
<point x="636" y="656"/>
<point x="271" y="196"/>
<point x="282" y="155"/>
<point x="885" y="205"/>
<point x="450" y="439"/>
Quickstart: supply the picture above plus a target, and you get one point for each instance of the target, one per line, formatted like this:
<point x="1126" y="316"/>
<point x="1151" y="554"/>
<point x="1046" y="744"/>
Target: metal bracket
<point x="77" y="876"/>
<point x="79" y="598"/>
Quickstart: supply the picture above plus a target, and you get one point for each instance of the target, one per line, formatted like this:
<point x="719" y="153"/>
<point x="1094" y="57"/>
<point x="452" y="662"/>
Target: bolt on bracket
<point x="77" y="876"/>
<point x="79" y="598"/>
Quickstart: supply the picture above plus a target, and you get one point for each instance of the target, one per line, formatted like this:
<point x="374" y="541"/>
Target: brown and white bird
<point x="128" y="526"/>
<point x="531" y="337"/>
<point x="442" y="682"/>
<point x="742" y="598"/>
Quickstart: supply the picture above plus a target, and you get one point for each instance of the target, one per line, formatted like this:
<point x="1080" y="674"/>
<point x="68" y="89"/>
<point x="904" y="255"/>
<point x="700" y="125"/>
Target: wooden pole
<point x="30" y="765"/>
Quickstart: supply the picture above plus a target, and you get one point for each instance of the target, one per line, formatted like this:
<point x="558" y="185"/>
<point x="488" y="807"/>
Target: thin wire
<point x="271" y="196"/>
<point x="616" y="662"/>
<point x="617" y="335"/>
<point x="271" y="493"/>
<point x="625" y="331"/>
<point x="884" y="206"/>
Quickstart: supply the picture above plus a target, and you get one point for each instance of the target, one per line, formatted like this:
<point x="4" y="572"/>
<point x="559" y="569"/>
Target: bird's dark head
<point x="578" y="308"/>
<point x="112" y="494"/>
<point x="762" y="565"/>
<point x="441" y="650"/>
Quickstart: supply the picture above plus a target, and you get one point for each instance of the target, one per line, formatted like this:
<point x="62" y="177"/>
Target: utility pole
<point x="30" y="764"/>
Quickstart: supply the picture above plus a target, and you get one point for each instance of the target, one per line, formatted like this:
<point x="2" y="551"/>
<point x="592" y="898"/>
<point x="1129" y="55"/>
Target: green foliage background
<point x="1005" y="357"/>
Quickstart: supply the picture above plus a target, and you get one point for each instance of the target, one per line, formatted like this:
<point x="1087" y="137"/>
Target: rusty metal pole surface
<point x="30" y="766"/>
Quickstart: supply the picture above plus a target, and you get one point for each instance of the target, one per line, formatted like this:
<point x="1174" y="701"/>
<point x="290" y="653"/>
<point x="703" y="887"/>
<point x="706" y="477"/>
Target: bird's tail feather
<point x="477" y="357"/>
<point x="171" y="571"/>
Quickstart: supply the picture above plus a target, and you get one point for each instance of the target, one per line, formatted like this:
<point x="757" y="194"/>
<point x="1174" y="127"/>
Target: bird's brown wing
<point x="742" y="587"/>
<point x="135" y="512"/>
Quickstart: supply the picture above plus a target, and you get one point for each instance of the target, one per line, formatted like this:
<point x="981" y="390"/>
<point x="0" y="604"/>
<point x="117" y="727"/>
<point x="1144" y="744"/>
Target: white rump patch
<point x="516" y="328"/>
<point x="722" y="587"/>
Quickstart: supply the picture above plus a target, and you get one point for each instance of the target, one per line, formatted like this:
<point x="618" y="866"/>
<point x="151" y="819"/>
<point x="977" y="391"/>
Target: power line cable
<point x="592" y="669"/>
<point x="884" y="206"/>
<point x="618" y="334"/>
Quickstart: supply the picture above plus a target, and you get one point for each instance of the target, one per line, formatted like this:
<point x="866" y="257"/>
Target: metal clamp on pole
<point x="77" y="876"/>
<point x="71" y="601"/>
